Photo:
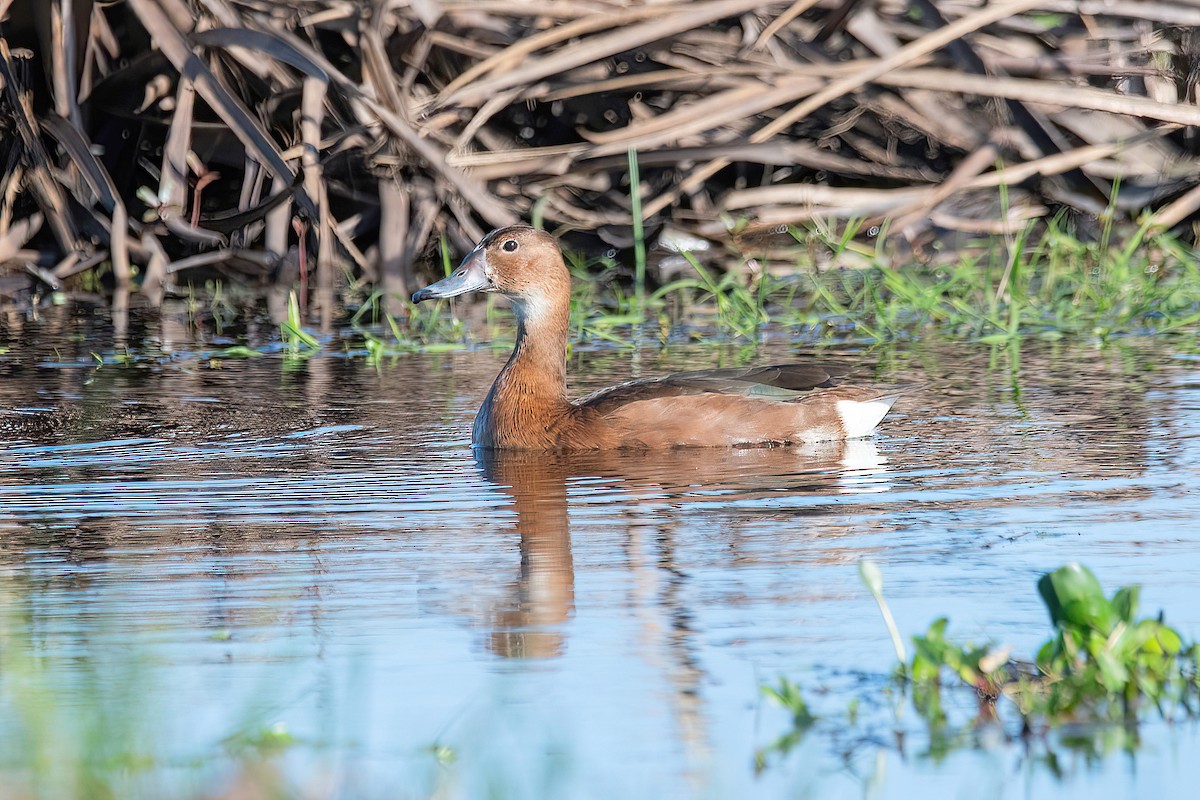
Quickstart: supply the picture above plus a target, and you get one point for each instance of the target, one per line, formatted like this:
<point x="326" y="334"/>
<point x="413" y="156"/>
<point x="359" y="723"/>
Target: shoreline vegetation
<point x="1019" y="290"/>
<point x="998" y="170"/>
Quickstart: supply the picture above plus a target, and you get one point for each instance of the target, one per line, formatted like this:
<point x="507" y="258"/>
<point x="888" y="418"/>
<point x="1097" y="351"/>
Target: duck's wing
<point x="780" y="381"/>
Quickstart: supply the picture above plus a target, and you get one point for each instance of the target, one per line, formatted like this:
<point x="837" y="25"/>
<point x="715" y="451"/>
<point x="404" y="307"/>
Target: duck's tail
<point x="861" y="417"/>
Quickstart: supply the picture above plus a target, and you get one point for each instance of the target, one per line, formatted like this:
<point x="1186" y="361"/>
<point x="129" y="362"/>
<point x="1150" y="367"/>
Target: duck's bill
<point x="469" y="277"/>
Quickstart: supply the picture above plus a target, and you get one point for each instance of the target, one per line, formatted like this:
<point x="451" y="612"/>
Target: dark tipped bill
<point x="471" y="276"/>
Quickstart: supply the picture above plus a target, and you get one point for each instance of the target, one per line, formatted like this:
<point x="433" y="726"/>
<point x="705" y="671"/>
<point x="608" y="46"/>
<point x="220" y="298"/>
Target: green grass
<point x="291" y="331"/>
<point x="1043" y="283"/>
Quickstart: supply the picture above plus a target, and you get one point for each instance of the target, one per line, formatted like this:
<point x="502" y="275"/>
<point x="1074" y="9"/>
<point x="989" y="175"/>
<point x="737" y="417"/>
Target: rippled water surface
<point x="203" y="554"/>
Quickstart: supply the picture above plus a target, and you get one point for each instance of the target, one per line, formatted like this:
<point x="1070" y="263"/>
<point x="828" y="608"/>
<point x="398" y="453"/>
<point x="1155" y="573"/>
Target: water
<point x="209" y="558"/>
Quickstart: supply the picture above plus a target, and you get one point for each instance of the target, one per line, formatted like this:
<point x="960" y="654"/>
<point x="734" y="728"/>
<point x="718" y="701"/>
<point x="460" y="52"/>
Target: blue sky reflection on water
<point x="318" y="547"/>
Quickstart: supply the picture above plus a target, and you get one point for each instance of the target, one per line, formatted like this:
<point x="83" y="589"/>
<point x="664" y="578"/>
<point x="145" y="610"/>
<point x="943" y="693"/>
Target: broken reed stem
<point x="393" y="236"/>
<point x="312" y="113"/>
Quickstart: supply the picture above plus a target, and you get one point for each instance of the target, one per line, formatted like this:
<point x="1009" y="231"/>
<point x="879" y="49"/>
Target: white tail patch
<point x="864" y="470"/>
<point x="859" y="417"/>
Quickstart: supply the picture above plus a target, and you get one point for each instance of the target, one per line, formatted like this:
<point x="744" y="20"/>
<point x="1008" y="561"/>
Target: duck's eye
<point x="510" y="246"/>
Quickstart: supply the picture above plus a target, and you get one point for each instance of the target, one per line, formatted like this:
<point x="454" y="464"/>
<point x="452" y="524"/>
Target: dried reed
<point x="327" y="142"/>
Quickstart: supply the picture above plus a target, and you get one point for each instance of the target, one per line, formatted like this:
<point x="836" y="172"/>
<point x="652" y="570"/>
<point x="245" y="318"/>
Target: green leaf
<point x="238" y="351"/>
<point x="294" y="333"/>
<point x="1074" y="598"/>
<point x="1125" y="602"/>
<point x="923" y="669"/>
<point x="788" y="695"/>
<point x="1048" y="654"/>
<point x="995" y="338"/>
<point x="443" y="347"/>
<point x="1160" y="639"/>
<point x="444" y="754"/>
<point x="1113" y="673"/>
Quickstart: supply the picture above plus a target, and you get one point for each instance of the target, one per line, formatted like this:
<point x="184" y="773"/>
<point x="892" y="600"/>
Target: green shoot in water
<point x="292" y="332"/>
<point x="872" y="578"/>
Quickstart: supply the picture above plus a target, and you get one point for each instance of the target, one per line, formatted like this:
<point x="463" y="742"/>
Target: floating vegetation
<point x="1103" y="665"/>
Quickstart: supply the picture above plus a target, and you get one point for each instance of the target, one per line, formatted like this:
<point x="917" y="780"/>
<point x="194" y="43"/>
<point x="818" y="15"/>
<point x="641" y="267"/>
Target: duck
<point x="528" y="408"/>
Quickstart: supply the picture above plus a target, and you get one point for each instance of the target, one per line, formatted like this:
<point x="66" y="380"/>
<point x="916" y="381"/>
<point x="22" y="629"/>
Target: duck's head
<point x="519" y="262"/>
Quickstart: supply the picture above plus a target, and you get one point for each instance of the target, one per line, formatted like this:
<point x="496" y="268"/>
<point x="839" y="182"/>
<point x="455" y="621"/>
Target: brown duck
<point x="528" y="408"/>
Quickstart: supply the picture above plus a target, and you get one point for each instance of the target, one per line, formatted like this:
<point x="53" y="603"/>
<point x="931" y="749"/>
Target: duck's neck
<point x="538" y="365"/>
<point x="530" y="393"/>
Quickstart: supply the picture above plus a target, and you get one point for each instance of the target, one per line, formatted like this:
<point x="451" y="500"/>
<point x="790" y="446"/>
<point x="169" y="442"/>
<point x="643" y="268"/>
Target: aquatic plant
<point x="1104" y="660"/>
<point x="788" y="695"/>
<point x="1103" y="663"/>
<point x="291" y="330"/>
<point x="1046" y="284"/>
<point x="1101" y="672"/>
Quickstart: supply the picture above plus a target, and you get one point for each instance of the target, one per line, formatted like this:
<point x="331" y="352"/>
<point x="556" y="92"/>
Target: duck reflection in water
<point x="531" y="621"/>
<point x="530" y="624"/>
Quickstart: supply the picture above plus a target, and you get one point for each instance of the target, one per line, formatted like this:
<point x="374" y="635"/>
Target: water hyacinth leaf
<point x="1168" y="639"/>
<point x="1073" y="597"/>
<point x="930" y="653"/>
<point x="924" y="669"/>
<point x="1127" y="640"/>
<point x="1113" y="673"/>
<point x="1097" y="669"/>
<point x="1125" y="602"/>
<point x="1159" y="639"/>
